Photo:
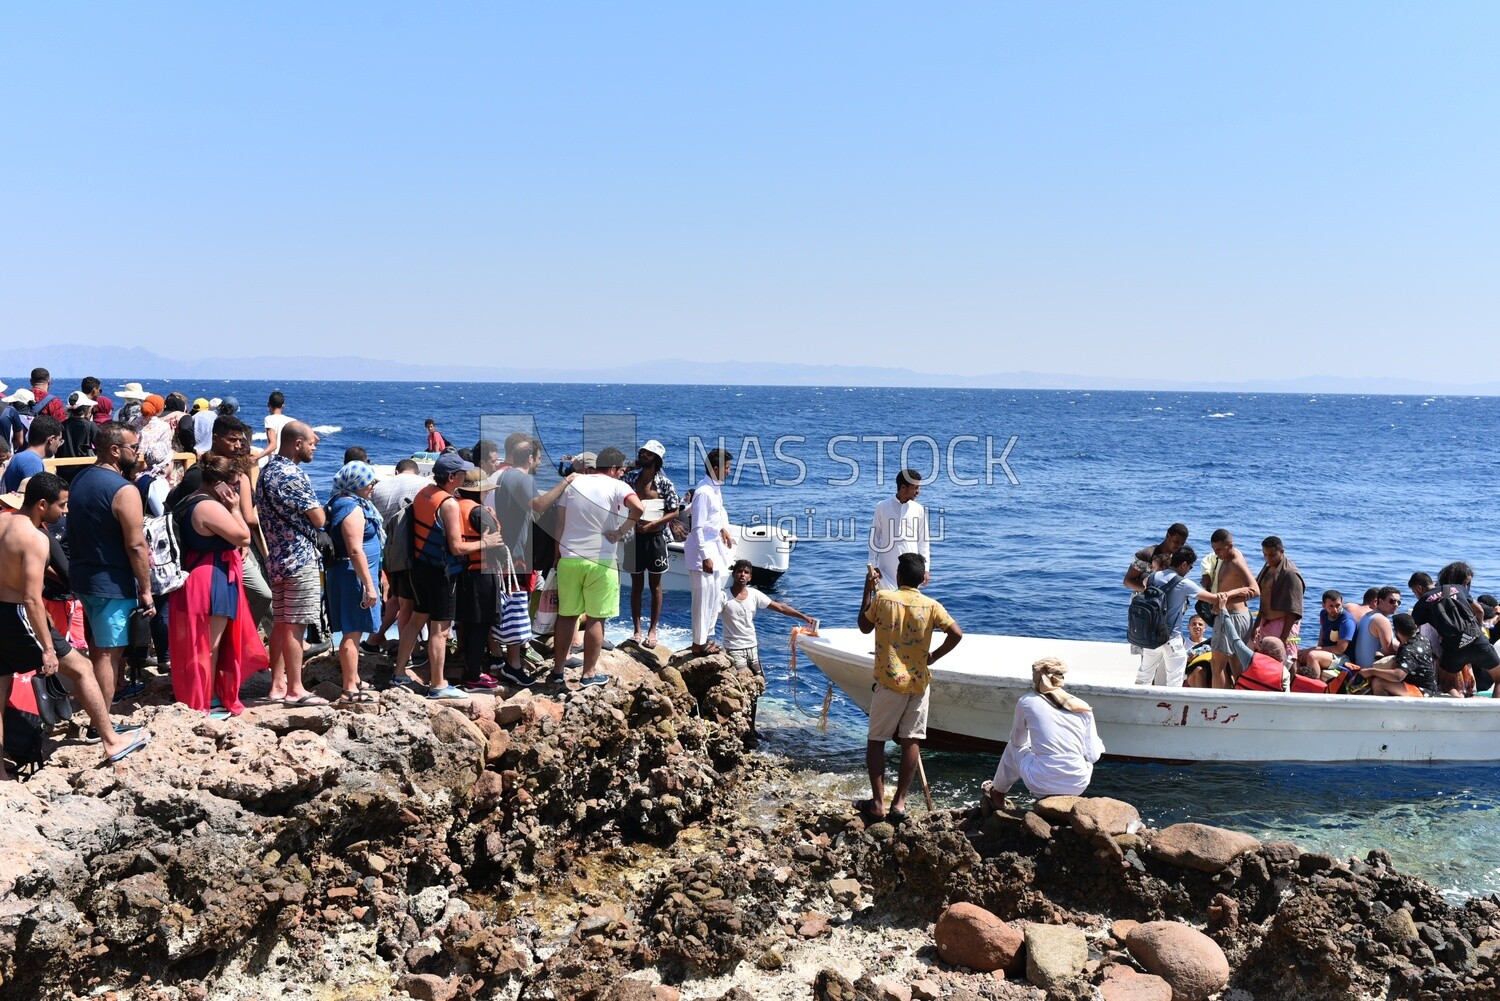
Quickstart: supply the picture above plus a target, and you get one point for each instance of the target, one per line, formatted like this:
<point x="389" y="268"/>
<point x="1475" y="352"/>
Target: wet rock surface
<point x="617" y="843"/>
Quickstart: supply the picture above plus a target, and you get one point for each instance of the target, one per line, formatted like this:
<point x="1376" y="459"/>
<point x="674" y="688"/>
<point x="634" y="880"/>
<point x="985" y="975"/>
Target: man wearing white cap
<point x="648" y="550"/>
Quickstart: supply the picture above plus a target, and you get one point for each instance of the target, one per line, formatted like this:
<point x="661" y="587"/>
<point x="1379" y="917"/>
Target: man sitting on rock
<point x="1053" y="740"/>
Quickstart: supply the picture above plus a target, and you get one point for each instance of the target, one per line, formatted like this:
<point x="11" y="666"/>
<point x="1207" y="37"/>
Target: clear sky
<point x="1214" y="189"/>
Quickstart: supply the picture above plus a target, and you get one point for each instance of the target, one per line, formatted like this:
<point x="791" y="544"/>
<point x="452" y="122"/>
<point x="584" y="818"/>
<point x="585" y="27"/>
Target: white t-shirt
<point x="739" y="618"/>
<point x="203" y="430"/>
<point x="595" y="504"/>
<point x="274" y="423"/>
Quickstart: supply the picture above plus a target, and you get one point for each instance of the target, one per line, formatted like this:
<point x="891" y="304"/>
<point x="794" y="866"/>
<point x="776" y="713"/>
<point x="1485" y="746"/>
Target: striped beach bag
<point x="513" y="621"/>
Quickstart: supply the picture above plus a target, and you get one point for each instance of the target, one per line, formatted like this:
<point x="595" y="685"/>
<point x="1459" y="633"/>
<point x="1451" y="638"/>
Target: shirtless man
<point x="28" y="642"/>
<point x="1231" y="579"/>
<point x="1142" y="565"/>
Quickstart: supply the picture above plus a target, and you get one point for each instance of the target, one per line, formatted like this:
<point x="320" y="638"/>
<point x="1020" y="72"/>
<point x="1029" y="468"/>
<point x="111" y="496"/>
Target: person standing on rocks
<point x="648" y="553"/>
<point x="290" y="516"/>
<point x="28" y="640"/>
<point x="1053" y="740"/>
<point x="903" y="622"/>
<point x="706" y="550"/>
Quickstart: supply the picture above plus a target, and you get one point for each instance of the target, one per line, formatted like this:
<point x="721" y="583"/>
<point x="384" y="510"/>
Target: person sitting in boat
<point x="1411" y="671"/>
<point x="903" y="622"/>
<point x="1335" y="632"/>
<point x="1053" y="740"/>
<point x="1373" y="637"/>
<point x="1199" y="671"/>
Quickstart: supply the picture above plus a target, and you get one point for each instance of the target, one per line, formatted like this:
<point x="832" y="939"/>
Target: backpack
<point x="1452" y="617"/>
<point x="1149" y="626"/>
<point x="27" y="412"/>
<point x="167" y="574"/>
<point x="398" y="541"/>
<point x="25" y="739"/>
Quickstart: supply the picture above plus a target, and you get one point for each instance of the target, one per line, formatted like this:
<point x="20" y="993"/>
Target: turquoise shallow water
<point x="1363" y="489"/>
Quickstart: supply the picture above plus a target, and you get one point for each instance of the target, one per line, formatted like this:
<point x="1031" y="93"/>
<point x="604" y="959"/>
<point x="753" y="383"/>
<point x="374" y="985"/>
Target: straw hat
<point x="132" y="391"/>
<point x="475" y="482"/>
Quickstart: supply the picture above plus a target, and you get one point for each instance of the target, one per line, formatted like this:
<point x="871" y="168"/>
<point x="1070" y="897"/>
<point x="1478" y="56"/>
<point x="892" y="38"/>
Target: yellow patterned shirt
<point x="904" y="622"/>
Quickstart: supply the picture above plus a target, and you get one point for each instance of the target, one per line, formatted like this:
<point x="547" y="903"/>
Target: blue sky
<point x="1214" y="190"/>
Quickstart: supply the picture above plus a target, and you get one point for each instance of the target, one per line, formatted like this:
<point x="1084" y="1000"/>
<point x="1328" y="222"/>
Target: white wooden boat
<point x="974" y="693"/>
<point x="768" y="548"/>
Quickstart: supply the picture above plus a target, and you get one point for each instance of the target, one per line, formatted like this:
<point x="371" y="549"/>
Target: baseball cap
<point x="656" y="448"/>
<point x="231" y="403"/>
<point x="200" y="404"/>
<point x="585" y="460"/>
<point x="20" y="396"/>
<point x="78" y="398"/>
<point x="448" y="464"/>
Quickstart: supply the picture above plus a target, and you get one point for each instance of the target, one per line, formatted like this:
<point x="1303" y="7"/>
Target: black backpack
<point x="1149" y="625"/>
<point x="25" y="739"/>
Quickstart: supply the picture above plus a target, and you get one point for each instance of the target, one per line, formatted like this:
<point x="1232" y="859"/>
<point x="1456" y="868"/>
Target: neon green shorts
<point x="587" y="587"/>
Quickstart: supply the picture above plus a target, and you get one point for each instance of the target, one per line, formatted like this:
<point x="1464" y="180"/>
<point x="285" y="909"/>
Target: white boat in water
<point x="974" y="693"/>
<point x="768" y="548"/>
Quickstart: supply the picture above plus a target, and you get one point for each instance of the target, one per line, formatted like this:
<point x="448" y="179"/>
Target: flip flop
<point x="140" y="742"/>
<point x="307" y="700"/>
<point x="573" y="662"/>
<point x="867" y="808"/>
<point x="648" y="643"/>
<point x="895" y="817"/>
<point x="220" y="714"/>
<point x="91" y="736"/>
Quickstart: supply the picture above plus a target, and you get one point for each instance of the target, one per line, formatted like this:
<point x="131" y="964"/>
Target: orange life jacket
<point x="475" y="560"/>
<point x="429" y="537"/>
<point x="1302" y="683"/>
<point x="1263" y="674"/>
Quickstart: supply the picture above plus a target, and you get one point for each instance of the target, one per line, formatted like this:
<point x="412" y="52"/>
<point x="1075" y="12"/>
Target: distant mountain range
<point x="69" y="362"/>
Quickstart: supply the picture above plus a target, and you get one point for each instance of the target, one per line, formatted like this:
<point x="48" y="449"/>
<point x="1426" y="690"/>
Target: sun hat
<point x="476" y="482"/>
<point x="585" y="460"/>
<point x="448" y="464"/>
<point x="20" y="396"/>
<point x="132" y="391"/>
<point x="79" y="400"/>
<point x="656" y="448"/>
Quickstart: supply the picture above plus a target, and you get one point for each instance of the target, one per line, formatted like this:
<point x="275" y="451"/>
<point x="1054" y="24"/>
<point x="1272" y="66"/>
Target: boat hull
<point x="974" y="694"/>
<point x="768" y="550"/>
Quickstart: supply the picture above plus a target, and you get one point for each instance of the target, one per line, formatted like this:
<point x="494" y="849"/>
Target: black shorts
<point x="433" y="592"/>
<point x="20" y="651"/>
<point x="1480" y="655"/>
<point x="650" y="553"/>
<point x="400" y="583"/>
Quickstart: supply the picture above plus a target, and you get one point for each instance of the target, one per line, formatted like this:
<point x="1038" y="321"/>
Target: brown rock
<point x="516" y="709"/>
<point x="1198" y="846"/>
<point x="812" y="924"/>
<point x="1037" y="827"/>
<point x="1054" y="953"/>
<point x="1096" y="814"/>
<point x="546" y="707"/>
<point x="487" y="790"/>
<point x="1121" y="983"/>
<point x="892" y="990"/>
<point x="1188" y="960"/>
<point x="830" y="985"/>
<point x="342" y="892"/>
<point x="1223" y="913"/>
<point x="1122" y="928"/>
<point x="968" y="935"/>
<point x="926" y="990"/>
<point x="1056" y="809"/>
<point x="428" y="987"/>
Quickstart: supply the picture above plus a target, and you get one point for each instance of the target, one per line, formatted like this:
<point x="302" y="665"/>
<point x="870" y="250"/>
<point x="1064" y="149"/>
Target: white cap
<point x="78" y="398"/>
<point x="656" y="448"/>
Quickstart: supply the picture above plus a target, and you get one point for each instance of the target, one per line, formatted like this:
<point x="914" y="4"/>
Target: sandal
<point x="357" y="697"/>
<point x="866" y="807"/>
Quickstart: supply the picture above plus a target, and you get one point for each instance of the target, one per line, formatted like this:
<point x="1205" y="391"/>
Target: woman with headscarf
<point x="358" y="535"/>
<point x="214" y="642"/>
<point x="1053" y="742"/>
<point x="156" y="439"/>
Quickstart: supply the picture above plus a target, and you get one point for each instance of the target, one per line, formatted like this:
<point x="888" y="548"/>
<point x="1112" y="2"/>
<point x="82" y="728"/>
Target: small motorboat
<point x="974" y="693"/>
<point x="768" y="548"/>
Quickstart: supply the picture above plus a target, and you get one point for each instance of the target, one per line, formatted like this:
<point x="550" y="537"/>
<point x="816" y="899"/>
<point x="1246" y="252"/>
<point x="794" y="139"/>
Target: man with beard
<point x="110" y="561"/>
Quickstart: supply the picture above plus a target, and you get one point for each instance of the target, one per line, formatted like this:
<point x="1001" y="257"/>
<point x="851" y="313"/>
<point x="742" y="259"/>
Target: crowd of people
<point x="230" y="564"/>
<point x="1444" y="647"/>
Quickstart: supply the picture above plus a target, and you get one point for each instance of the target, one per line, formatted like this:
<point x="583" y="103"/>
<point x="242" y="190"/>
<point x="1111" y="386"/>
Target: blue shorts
<point x="108" y="620"/>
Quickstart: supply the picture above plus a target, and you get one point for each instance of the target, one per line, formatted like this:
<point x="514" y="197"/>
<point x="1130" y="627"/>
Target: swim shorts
<point x="108" y="620"/>
<point x="1227" y="622"/>
<point x="587" y="587"/>
<point x="433" y="592"/>
<point x="649" y="553"/>
<point x="20" y="650"/>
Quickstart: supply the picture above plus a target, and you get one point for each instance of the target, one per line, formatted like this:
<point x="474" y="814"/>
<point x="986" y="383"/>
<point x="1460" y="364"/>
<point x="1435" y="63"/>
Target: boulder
<point x="968" y="935"/>
<point x="1122" y="983"/>
<point x="1188" y="960"/>
<point x="1198" y="846"/>
<point x="1056" y="809"/>
<point x="1100" y="814"/>
<point x="1054" y="953"/>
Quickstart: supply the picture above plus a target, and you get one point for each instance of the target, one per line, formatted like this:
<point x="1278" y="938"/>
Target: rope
<point x="822" y="716"/>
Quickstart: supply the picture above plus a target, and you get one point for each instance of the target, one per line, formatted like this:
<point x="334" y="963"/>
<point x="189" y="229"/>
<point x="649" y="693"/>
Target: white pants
<point x="1163" y="665"/>
<point x="1023" y="764"/>
<point x="707" y="588"/>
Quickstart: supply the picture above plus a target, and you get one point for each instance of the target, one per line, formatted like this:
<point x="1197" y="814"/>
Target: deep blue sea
<point x="1040" y="497"/>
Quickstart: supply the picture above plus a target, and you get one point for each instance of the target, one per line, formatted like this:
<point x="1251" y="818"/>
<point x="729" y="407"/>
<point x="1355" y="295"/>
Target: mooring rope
<point x="821" y="717"/>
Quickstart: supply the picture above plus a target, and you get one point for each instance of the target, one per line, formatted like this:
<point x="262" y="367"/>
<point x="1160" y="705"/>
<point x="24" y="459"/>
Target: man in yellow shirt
<point x="903" y="622"/>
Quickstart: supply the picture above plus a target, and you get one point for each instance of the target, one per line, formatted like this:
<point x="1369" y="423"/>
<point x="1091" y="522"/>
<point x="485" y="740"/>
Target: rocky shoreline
<point x="619" y="843"/>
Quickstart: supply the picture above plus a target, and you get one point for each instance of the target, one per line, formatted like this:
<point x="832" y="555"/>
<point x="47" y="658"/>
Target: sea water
<point x="1037" y="500"/>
